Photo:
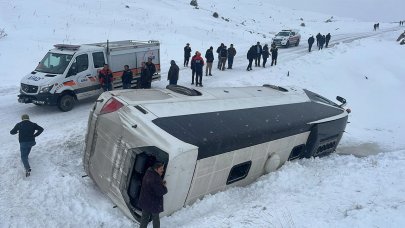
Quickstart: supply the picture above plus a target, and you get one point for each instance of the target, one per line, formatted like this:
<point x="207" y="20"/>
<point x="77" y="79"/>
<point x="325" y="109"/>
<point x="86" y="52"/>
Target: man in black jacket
<point x="219" y="49"/>
<point x="259" y="51"/>
<point x="318" y="37"/>
<point x="274" y="54"/>
<point x="311" y="41"/>
<point x="126" y="77"/>
<point x="209" y="56"/>
<point x="173" y="75"/>
<point x="251" y="54"/>
<point x="231" y="56"/>
<point x="27" y="131"/>
<point x="327" y="39"/>
<point x="187" y="54"/>
<point x="265" y="54"/>
<point x="151" y="197"/>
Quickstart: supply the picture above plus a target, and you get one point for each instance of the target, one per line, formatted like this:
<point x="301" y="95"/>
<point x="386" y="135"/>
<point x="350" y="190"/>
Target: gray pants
<point x="146" y="217"/>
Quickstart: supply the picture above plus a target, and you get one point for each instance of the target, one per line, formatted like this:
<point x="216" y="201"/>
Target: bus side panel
<point x="212" y="173"/>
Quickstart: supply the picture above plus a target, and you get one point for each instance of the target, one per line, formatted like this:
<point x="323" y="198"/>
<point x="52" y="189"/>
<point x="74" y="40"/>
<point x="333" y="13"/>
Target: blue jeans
<point x="25" y="148"/>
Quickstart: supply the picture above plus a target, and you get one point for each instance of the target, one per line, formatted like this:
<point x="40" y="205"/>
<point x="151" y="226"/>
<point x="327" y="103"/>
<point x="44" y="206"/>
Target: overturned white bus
<point x="209" y="139"/>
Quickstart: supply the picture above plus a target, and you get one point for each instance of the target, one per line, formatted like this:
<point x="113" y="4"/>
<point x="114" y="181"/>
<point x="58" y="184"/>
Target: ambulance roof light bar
<point x="67" y="47"/>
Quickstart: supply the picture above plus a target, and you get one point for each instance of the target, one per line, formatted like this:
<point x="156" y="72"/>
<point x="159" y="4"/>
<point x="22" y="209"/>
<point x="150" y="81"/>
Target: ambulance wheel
<point x="66" y="102"/>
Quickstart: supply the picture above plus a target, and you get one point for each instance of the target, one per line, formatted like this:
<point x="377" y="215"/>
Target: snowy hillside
<point x="362" y="185"/>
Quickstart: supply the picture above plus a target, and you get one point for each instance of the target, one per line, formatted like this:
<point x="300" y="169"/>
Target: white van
<point x="209" y="139"/>
<point x="69" y="73"/>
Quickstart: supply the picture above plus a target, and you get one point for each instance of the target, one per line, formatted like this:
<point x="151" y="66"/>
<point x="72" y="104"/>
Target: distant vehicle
<point x="287" y="37"/>
<point x="209" y="139"/>
<point x="69" y="73"/>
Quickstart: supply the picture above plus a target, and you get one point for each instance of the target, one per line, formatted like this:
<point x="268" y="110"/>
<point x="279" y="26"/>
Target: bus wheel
<point x="66" y="102"/>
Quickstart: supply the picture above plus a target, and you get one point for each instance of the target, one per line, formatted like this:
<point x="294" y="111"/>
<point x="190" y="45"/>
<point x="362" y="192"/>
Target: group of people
<point x="148" y="69"/>
<point x="225" y="55"/>
<point x="321" y="40"/>
<point x="256" y="52"/>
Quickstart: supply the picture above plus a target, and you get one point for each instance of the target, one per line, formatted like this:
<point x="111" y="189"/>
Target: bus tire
<point x="66" y="102"/>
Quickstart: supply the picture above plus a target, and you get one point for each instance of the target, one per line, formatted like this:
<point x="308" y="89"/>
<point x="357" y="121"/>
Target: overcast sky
<point x="367" y="10"/>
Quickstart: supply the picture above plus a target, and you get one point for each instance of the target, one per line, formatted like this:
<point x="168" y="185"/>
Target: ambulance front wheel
<point x="66" y="102"/>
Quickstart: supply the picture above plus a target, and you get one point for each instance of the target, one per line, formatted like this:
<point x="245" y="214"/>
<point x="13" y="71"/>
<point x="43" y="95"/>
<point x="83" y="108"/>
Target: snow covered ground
<point x="365" y="67"/>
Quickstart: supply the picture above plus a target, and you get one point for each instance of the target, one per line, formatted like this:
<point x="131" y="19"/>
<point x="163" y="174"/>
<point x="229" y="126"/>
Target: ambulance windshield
<point x="54" y="63"/>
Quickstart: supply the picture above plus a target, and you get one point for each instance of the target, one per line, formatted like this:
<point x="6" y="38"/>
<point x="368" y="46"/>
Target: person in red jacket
<point x="106" y="78"/>
<point x="198" y="64"/>
<point x="151" y="196"/>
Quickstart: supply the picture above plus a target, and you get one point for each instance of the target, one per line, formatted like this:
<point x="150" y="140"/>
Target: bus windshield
<point x="54" y="63"/>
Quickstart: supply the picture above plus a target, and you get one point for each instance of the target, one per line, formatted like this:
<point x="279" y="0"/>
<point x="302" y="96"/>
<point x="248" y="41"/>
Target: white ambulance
<point x="69" y="73"/>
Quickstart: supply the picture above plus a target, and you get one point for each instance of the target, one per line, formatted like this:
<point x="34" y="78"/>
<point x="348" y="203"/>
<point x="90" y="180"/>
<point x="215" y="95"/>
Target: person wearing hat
<point x="187" y="54"/>
<point x="27" y="131"/>
<point x="173" y="75"/>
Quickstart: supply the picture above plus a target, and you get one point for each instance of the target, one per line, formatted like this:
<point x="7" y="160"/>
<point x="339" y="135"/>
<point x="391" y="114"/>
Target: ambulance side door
<point x="77" y="76"/>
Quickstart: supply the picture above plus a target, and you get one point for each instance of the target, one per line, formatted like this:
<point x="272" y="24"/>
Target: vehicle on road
<point x="69" y="73"/>
<point x="287" y="37"/>
<point x="209" y="139"/>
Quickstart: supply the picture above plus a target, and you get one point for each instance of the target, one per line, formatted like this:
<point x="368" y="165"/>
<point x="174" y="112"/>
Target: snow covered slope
<point x="363" y="66"/>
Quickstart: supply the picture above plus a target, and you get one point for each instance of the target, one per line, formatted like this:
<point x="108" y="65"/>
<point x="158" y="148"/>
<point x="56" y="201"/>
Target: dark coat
<point x="311" y="40"/>
<point x="151" y="67"/>
<point x="173" y="74"/>
<point x="260" y="49"/>
<point x="265" y="52"/>
<point x="251" y="54"/>
<point x="146" y="78"/>
<point x="26" y="131"/>
<point x="105" y="77"/>
<point x="220" y="48"/>
<point x="231" y="52"/>
<point x="274" y="52"/>
<point x="318" y="37"/>
<point x="328" y="37"/>
<point x="209" y="55"/>
<point x="192" y="64"/>
<point x="127" y="76"/>
<point x="152" y="191"/>
<point x="322" y="40"/>
<point x="187" y="51"/>
<point x="224" y="53"/>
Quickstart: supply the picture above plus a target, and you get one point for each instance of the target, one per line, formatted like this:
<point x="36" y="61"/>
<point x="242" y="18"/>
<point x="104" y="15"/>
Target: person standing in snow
<point x="251" y="54"/>
<point x="274" y="54"/>
<point x="152" y="70"/>
<point x="311" y="41"/>
<point x="219" y="55"/>
<point x="143" y="82"/>
<point x="265" y="54"/>
<point x="173" y="75"/>
<point x="258" y="54"/>
<point x="198" y="65"/>
<point x="209" y="56"/>
<point x="126" y="77"/>
<point x="106" y="78"/>
<point x="318" y="37"/>
<point x="151" y="197"/>
<point x="231" y="55"/>
<point x="224" y="56"/>
<point x="321" y="42"/>
<point x="192" y="66"/>
<point x="27" y="131"/>
<point x="327" y="39"/>
<point x="187" y="54"/>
